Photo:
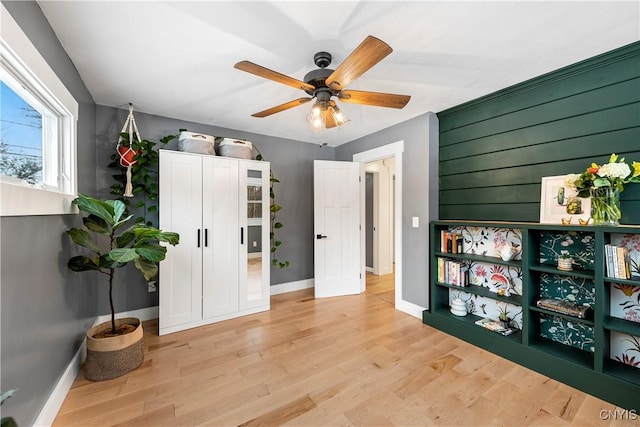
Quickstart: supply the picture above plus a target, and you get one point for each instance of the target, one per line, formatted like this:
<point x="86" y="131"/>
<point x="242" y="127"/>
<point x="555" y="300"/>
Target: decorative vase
<point x="605" y="206"/>
<point x="458" y="307"/>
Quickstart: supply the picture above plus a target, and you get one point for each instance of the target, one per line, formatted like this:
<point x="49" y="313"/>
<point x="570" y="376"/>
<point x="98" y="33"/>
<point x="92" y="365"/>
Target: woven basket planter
<point x="113" y="356"/>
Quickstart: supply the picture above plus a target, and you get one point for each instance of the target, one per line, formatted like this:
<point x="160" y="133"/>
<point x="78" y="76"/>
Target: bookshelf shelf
<point x="585" y="274"/>
<point x="480" y="258"/>
<point x="587" y="322"/>
<point x="482" y="291"/>
<point x="633" y="282"/>
<point x="585" y="353"/>
<point x="622" y="326"/>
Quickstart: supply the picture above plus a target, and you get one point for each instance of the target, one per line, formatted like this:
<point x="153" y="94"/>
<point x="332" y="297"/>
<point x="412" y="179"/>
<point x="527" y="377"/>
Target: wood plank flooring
<point x="327" y="362"/>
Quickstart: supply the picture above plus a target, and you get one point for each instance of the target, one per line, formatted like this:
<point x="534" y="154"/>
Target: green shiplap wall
<point x="495" y="150"/>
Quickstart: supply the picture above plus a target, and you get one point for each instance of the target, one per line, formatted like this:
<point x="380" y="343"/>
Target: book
<point x="608" y="252"/>
<point x="621" y="269"/>
<point x="496" y="326"/>
<point x="441" y="266"/>
<point x="443" y="240"/>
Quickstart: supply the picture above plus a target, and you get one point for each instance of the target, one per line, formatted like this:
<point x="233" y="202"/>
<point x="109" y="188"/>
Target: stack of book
<point x="450" y="242"/>
<point x="496" y="326"/>
<point x="453" y="272"/>
<point x="617" y="262"/>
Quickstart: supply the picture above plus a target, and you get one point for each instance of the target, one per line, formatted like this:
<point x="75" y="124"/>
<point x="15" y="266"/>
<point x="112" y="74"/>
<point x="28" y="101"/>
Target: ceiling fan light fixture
<point x="315" y="118"/>
<point x="338" y="115"/>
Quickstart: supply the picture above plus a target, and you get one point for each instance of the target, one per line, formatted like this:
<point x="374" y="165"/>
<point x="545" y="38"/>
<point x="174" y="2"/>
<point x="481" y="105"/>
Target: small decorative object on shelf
<point x="508" y="252"/>
<point x="458" y="307"/>
<point x="504" y="317"/>
<point x="604" y="185"/>
<point x="565" y="263"/>
<point x="564" y="307"/>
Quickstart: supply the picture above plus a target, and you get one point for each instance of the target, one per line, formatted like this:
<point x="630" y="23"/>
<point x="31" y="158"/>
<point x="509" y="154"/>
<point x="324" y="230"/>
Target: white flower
<point x="614" y="170"/>
<point x="570" y="179"/>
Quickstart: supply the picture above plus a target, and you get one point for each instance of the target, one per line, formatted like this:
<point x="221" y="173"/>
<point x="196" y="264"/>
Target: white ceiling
<point x="175" y="59"/>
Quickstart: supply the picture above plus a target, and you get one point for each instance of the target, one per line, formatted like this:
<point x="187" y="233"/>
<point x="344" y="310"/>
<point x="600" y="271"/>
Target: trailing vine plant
<point x="144" y="176"/>
<point x="274" y="208"/>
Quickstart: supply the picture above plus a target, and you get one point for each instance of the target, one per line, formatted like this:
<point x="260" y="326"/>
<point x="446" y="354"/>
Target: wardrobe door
<point x="181" y="211"/>
<point x="255" y="245"/>
<point x="221" y="236"/>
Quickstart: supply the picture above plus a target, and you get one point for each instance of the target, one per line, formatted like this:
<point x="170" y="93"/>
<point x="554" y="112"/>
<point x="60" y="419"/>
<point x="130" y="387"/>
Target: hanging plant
<point x="144" y="175"/>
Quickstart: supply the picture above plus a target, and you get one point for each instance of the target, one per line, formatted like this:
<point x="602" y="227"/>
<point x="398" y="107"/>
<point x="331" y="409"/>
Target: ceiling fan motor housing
<point x="322" y="59"/>
<point x="317" y="79"/>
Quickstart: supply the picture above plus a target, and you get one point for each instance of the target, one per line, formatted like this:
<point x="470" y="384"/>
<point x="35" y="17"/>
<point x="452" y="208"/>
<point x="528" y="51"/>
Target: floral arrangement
<point x="614" y="174"/>
<point x="604" y="184"/>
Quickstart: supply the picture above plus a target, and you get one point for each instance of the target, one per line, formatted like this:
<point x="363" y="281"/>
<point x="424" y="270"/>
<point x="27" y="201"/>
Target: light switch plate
<point x="416" y="222"/>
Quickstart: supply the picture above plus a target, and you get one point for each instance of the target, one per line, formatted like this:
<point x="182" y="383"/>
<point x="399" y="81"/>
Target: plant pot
<point x="126" y="156"/>
<point x="565" y="264"/>
<point x="113" y="356"/>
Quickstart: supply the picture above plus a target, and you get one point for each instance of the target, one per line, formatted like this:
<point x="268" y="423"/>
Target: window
<point x="38" y="130"/>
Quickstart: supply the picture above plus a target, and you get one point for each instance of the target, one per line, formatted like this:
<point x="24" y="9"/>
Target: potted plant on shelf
<point x="503" y="316"/>
<point x="565" y="262"/>
<point x="115" y="348"/>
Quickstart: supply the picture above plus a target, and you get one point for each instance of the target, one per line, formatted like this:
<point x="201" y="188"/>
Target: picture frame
<point x="554" y="195"/>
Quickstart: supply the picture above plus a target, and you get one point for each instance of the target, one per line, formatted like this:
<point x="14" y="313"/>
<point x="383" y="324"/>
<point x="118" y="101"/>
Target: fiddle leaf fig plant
<point x="139" y="243"/>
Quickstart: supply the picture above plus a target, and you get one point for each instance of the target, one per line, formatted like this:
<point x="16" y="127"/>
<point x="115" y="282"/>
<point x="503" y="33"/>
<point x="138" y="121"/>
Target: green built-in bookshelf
<point x="598" y="353"/>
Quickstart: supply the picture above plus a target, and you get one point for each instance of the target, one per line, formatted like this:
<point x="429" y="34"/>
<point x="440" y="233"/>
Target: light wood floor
<point x="327" y="362"/>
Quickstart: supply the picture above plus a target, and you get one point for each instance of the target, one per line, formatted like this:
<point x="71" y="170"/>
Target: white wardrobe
<point x="220" y="268"/>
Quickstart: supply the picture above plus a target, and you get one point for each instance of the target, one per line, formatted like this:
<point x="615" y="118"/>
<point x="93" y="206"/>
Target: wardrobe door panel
<point x="181" y="212"/>
<point x="221" y="238"/>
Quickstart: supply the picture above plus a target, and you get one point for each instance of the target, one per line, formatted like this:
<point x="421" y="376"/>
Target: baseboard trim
<point x="143" y="314"/>
<point x="59" y="393"/>
<point x="410" y="308"/>
<point x="369" y="269"/>
<point x="292" y="286"/>
<point x="56" y="398"/>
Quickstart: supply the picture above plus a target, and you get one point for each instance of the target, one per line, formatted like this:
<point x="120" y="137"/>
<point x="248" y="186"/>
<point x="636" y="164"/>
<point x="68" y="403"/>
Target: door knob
<point x="320" y="236"/>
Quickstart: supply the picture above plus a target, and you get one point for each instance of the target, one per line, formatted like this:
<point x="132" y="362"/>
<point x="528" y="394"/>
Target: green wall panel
<point x="495" y="150"/>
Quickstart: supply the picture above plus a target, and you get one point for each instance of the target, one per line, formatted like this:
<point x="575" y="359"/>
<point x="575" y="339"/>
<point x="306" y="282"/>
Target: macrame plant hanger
<point x="126" y="154"/>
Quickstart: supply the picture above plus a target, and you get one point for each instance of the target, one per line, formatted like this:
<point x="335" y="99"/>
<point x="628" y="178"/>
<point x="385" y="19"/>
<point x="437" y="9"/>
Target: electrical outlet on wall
<point x="151" y="286"/>
<point x="255" y="244"/>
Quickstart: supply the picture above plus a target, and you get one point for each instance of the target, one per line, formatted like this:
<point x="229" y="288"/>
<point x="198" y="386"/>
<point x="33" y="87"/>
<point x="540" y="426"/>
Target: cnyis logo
<point x="618" y="414"/>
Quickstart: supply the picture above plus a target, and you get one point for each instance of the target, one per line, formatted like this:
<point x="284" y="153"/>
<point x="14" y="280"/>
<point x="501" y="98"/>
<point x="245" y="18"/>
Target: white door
<point x="181" y="212"/>
<point x="221" y="236"/>
<point x="337" y="263"/>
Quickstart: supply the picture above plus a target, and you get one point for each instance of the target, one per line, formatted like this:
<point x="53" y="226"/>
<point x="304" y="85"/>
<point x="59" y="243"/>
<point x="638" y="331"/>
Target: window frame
<point x="22" y="64"/>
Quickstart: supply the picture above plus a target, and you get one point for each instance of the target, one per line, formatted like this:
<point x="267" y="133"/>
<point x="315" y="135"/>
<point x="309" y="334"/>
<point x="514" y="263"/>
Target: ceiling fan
<point x="324" y="83"/>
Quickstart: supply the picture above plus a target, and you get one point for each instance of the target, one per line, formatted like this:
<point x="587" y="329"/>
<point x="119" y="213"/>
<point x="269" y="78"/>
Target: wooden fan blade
<point x="282" y="107"/>
<point x="371" y="51"/>
<point x="266" y="73"/>
<point x="377" y="99"/>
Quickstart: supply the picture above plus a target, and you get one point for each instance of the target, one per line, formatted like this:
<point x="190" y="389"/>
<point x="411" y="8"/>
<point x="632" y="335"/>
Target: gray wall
<point x="46" y="308"/>
<point x="291" y="163"/>
<point x="419" y="194"/>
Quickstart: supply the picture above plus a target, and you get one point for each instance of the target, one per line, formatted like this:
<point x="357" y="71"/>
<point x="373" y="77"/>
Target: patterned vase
<point x="605" y="206"/>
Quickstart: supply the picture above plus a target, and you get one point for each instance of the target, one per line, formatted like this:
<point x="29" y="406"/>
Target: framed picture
<point x="560" y="204"/>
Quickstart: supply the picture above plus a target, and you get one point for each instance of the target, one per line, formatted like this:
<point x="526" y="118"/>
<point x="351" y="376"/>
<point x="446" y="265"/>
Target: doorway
<point x="379" y="230"/>
<point x="385" y="277"/>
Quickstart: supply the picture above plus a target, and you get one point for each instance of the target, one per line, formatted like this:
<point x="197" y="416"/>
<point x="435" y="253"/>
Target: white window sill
<point x="20" y="200"/>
